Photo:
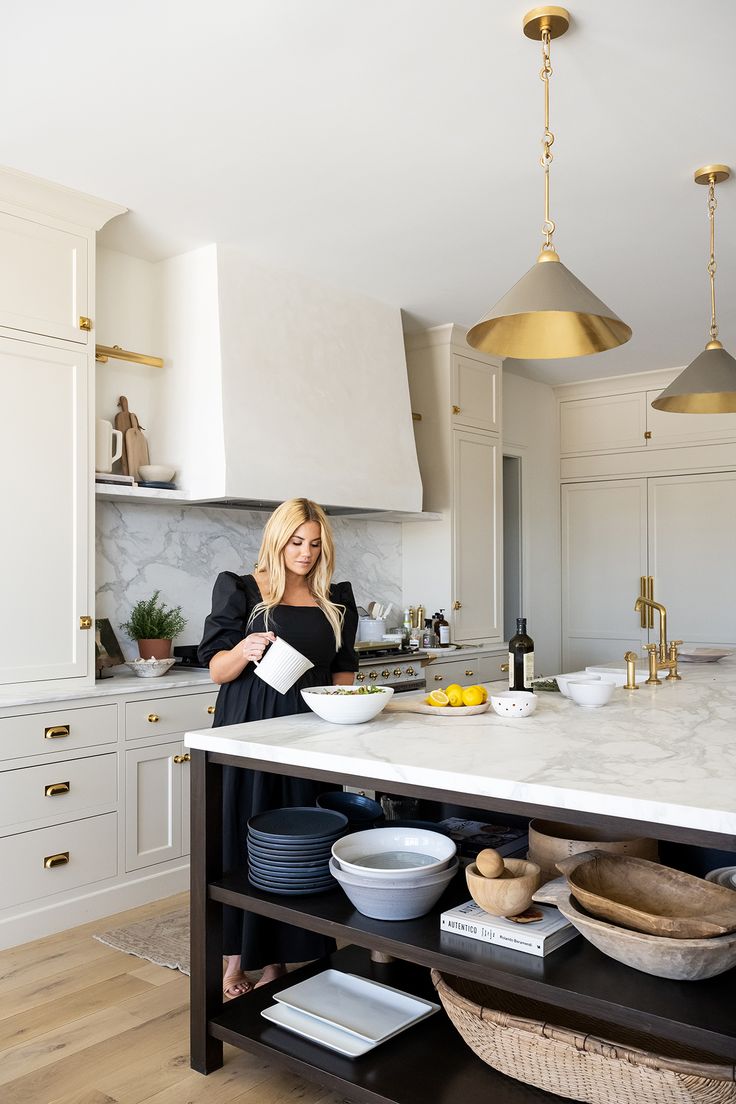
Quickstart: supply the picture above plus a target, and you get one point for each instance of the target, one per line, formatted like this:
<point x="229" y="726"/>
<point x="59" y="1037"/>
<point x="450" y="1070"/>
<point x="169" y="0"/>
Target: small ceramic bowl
<point x="157" y="473"/>
<point x="577" y="676"/>
<point x="514" y="703"/>
<point x="589" y="694"/>
<point x="150" y="668"/>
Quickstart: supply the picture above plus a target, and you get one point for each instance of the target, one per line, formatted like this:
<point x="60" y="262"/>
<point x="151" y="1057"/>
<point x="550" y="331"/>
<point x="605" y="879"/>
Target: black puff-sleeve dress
<point x="259" y="940"/>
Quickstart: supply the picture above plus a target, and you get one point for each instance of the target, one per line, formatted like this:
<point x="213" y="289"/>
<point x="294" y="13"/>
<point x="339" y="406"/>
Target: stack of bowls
<point x="394" y="873"/>
<point x="289" y="849"/>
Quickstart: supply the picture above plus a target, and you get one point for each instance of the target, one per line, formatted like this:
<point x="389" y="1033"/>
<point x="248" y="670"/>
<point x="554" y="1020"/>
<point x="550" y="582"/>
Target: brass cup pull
<point x="153" y="717"/>
<point x="186" y="758"/>
<point x="470" y="673"/>
<point x="210" y="709"/>
<point x="504" y="667"/>
<point x="56" y="732"/>
<point x="56" y="788"/>
<point x="438" y="678"/>
<point x="56" y="860"/>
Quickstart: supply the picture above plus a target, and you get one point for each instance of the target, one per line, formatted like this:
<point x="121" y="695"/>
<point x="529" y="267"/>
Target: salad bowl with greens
<point x="347" y="704"/>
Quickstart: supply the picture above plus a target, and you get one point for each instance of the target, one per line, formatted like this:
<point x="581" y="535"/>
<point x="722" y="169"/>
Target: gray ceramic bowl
<point x="390" y="900"/>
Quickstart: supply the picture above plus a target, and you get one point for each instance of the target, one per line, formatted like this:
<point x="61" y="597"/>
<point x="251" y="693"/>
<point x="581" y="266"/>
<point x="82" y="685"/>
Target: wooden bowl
<point x="551" y="841"/>
<point x="508" y="894"/>
<point x="679" y="959"/>
<point x="649" y="898"/>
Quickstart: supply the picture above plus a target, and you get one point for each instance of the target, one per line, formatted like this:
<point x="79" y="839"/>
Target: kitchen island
<point x="658" y="761"/>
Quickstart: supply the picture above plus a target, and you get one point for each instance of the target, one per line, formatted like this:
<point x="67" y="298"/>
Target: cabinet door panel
<point x="687" y="429"/>
<point x="692" y="533"/>
<point x="43" y="279"/>
<point x="475" y="390"/>
<point x="609" y="423"/>
<point x="153" y="787"/>
<point x="604" y="554"/>
<point x="477" y="536"/>
<point x="44" y="503"/>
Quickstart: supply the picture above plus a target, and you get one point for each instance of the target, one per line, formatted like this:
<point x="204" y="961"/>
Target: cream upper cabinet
<point x="476" y="536"/>
<point x="607" y="423"/>
<point x="45" y="587"/>
<point x="475" y="393"/>
<point x="687" y="429"/>
<point x="43" y="279"/>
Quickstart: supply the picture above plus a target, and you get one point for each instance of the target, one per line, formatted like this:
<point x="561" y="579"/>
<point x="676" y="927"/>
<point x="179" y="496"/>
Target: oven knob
<point x="385" y="672"/>
<point x="397" y="671"/>
<point x="360" y="677"/>
<point x="373" y="675"/>
<point x="410" y="671"/>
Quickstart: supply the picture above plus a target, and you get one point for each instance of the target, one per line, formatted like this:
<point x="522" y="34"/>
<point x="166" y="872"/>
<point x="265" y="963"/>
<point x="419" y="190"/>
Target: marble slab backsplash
<point x="181" y="550"/>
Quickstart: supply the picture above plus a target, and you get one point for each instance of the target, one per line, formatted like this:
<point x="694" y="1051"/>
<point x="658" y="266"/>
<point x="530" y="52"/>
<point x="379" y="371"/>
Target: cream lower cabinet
<point x="680" y="530"/>
<point x="480" y="667"/>
<point x="155" y="782"/>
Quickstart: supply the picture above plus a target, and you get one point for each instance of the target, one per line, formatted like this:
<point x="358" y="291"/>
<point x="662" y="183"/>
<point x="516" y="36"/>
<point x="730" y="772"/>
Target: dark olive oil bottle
<point x="521" y="658"/>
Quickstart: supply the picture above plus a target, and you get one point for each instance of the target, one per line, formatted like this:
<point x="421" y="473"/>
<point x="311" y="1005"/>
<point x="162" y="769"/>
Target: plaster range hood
<point x="283" y="387"/>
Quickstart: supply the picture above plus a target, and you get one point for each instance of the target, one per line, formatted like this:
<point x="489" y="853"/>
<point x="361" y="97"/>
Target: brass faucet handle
<point x="674" y="675"/>
<point x="653" y="650"/>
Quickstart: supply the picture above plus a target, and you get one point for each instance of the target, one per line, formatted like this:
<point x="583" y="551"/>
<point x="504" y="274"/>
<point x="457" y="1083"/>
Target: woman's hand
<point x="255" y="645"/>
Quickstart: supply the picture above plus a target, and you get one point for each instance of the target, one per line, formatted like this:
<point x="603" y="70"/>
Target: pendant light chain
<point x="712" y="204"/>
<point x="548" y="227"/>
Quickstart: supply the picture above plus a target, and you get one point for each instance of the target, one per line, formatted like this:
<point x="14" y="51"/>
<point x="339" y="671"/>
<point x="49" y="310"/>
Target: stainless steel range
<point x="391" y="667"/>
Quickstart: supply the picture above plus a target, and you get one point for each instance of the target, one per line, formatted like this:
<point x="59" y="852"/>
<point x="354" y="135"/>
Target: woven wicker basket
<point x="514" y="1035"/>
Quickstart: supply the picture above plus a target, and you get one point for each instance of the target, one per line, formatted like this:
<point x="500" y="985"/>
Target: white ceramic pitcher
<point x="105" y="453"/>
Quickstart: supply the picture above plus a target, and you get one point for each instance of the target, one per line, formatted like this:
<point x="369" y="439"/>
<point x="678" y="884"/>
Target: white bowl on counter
<point x="347" y="708"/>
<point x="393" y="853"/>
<point x="591" y="694"/>
<point x="157" y="473"/>
<point x="578" y="676"/>
<point x="514" y="703"/>
<point x="150" y="668"/>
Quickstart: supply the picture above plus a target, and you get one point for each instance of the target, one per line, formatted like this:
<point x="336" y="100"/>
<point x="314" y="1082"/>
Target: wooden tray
<point x="398" y="705"/>
<point x="649" y="898"/>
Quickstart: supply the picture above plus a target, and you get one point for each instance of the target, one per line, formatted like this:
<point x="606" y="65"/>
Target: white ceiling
<point x="391" y="147"/>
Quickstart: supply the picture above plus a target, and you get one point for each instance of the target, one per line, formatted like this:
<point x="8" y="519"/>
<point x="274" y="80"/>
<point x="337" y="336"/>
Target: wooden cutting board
<point x="124" y="422"/>
<point x="136" y="447"/>
<point x="398" y="704"/>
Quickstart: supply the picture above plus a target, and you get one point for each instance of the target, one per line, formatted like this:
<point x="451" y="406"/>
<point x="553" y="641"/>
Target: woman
<point x="290" y="594"/>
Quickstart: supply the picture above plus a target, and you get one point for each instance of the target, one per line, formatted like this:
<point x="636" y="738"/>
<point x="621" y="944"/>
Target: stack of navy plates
<point x="289" y="849"/>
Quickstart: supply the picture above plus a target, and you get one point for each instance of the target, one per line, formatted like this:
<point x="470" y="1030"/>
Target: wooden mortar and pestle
<point x="502" y="887"/>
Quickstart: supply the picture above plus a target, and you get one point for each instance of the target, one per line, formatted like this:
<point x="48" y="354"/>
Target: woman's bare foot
<point x="234" y="981"/>
<point x="271" y="973"/>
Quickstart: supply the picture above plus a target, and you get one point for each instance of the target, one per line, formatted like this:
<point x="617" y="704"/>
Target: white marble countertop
<point x="665" y="754"/>
<point x="120" y="684"/>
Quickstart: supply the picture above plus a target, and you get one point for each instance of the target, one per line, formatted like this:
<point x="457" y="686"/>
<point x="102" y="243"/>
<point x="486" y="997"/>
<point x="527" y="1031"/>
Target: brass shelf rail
<point x="104" y="352"/>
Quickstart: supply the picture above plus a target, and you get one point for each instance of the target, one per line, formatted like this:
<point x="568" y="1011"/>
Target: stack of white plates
<point x="346" y="1013"/>
<point x="289" y="849"/>
<point x="724" y="876"/>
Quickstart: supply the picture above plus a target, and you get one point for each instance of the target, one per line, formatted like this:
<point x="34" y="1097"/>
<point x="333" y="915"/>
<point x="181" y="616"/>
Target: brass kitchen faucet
<point x="664" y="656"/>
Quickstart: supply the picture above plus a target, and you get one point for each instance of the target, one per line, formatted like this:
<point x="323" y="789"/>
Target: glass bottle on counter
<point x="428" y="638"/>
<point x="521" y="658"/>
<point x="443" y="631"/>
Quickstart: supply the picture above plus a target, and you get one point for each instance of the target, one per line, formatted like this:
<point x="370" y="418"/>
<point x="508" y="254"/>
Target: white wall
<point x="530" y="430"/>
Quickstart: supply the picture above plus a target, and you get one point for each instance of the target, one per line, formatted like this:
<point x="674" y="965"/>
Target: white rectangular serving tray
<point x="317" y="1031"/>
<point x="367" y="1009"/>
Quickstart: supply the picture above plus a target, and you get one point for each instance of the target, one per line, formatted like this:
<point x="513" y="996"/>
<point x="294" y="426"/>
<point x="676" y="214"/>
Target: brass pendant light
<point x="549" y="313"/>
<point x="708" y="385"/>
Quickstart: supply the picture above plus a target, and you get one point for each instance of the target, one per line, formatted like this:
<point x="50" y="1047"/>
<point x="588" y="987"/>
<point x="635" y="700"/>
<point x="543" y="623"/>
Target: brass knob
<point x="373" y="675"/>
<point x="186" y="758"/>
<point x="360" y="677"/>
<point x="457" y="605"/>
<point x="210" y="709"/>
<point x="504" y="667"/>
<point x="648" y="435"/>
<point x="56" y="860"/>
<point x="385" y="672"/>
<point x="471" y="673"/>
<point x="56" y="788"/>
<point x="56" y="732"/>
<point x="84" y="322"/>
<point x="410" y="671"/>
<point x="153" y="717"/>
<point x="397" y="671"/>
<point x="438" y="678"/>
<point x="85" y="622"/>
<point x="455" y="409"/>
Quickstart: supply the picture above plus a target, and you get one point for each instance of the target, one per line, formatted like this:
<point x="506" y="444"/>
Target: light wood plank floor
<point x="81" y="1023"/>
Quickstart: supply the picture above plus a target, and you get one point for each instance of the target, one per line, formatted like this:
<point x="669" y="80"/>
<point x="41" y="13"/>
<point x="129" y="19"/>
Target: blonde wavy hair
<point x="280" y="528"/>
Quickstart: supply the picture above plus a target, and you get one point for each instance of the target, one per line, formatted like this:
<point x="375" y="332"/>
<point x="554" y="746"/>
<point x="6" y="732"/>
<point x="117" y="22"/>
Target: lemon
<point x="438" y="697"/>
<point x="455" y="695"/>
<point x="483" y="691"/>
<point x="472" y="695"/>
<point x="453" y="686"/>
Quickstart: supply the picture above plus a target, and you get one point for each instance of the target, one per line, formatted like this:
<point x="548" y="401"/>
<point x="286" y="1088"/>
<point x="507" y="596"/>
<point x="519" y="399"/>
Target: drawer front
<point x="162" y="716"/>
<point x="58" y="730"/>
<point x="476" y="668"/>
<point x="86" y="851"/>
<point x="56" y="789"/>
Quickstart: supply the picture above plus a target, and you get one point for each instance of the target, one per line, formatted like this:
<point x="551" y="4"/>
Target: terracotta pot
<point x="154" y="649"/>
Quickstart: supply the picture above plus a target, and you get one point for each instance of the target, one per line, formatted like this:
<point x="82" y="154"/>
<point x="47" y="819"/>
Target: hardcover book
<point x="473" y="836"/>
<point x="538" y="938"/>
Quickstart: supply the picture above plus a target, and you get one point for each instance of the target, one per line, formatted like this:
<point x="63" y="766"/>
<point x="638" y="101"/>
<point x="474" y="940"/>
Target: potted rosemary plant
<point x="154" y="625"/>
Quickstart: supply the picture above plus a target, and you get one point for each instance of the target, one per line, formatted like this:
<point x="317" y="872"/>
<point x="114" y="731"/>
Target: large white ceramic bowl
<point x="578" y="676"/>
<point x="352" y="708"/>
<point x="394" y="853"/>
<point x="589" y="694"/>
<point x="393" y="901"/>
<point x="514" y="703"/>
<point x="150" y="668"/>
<point x="157" y="473"/>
